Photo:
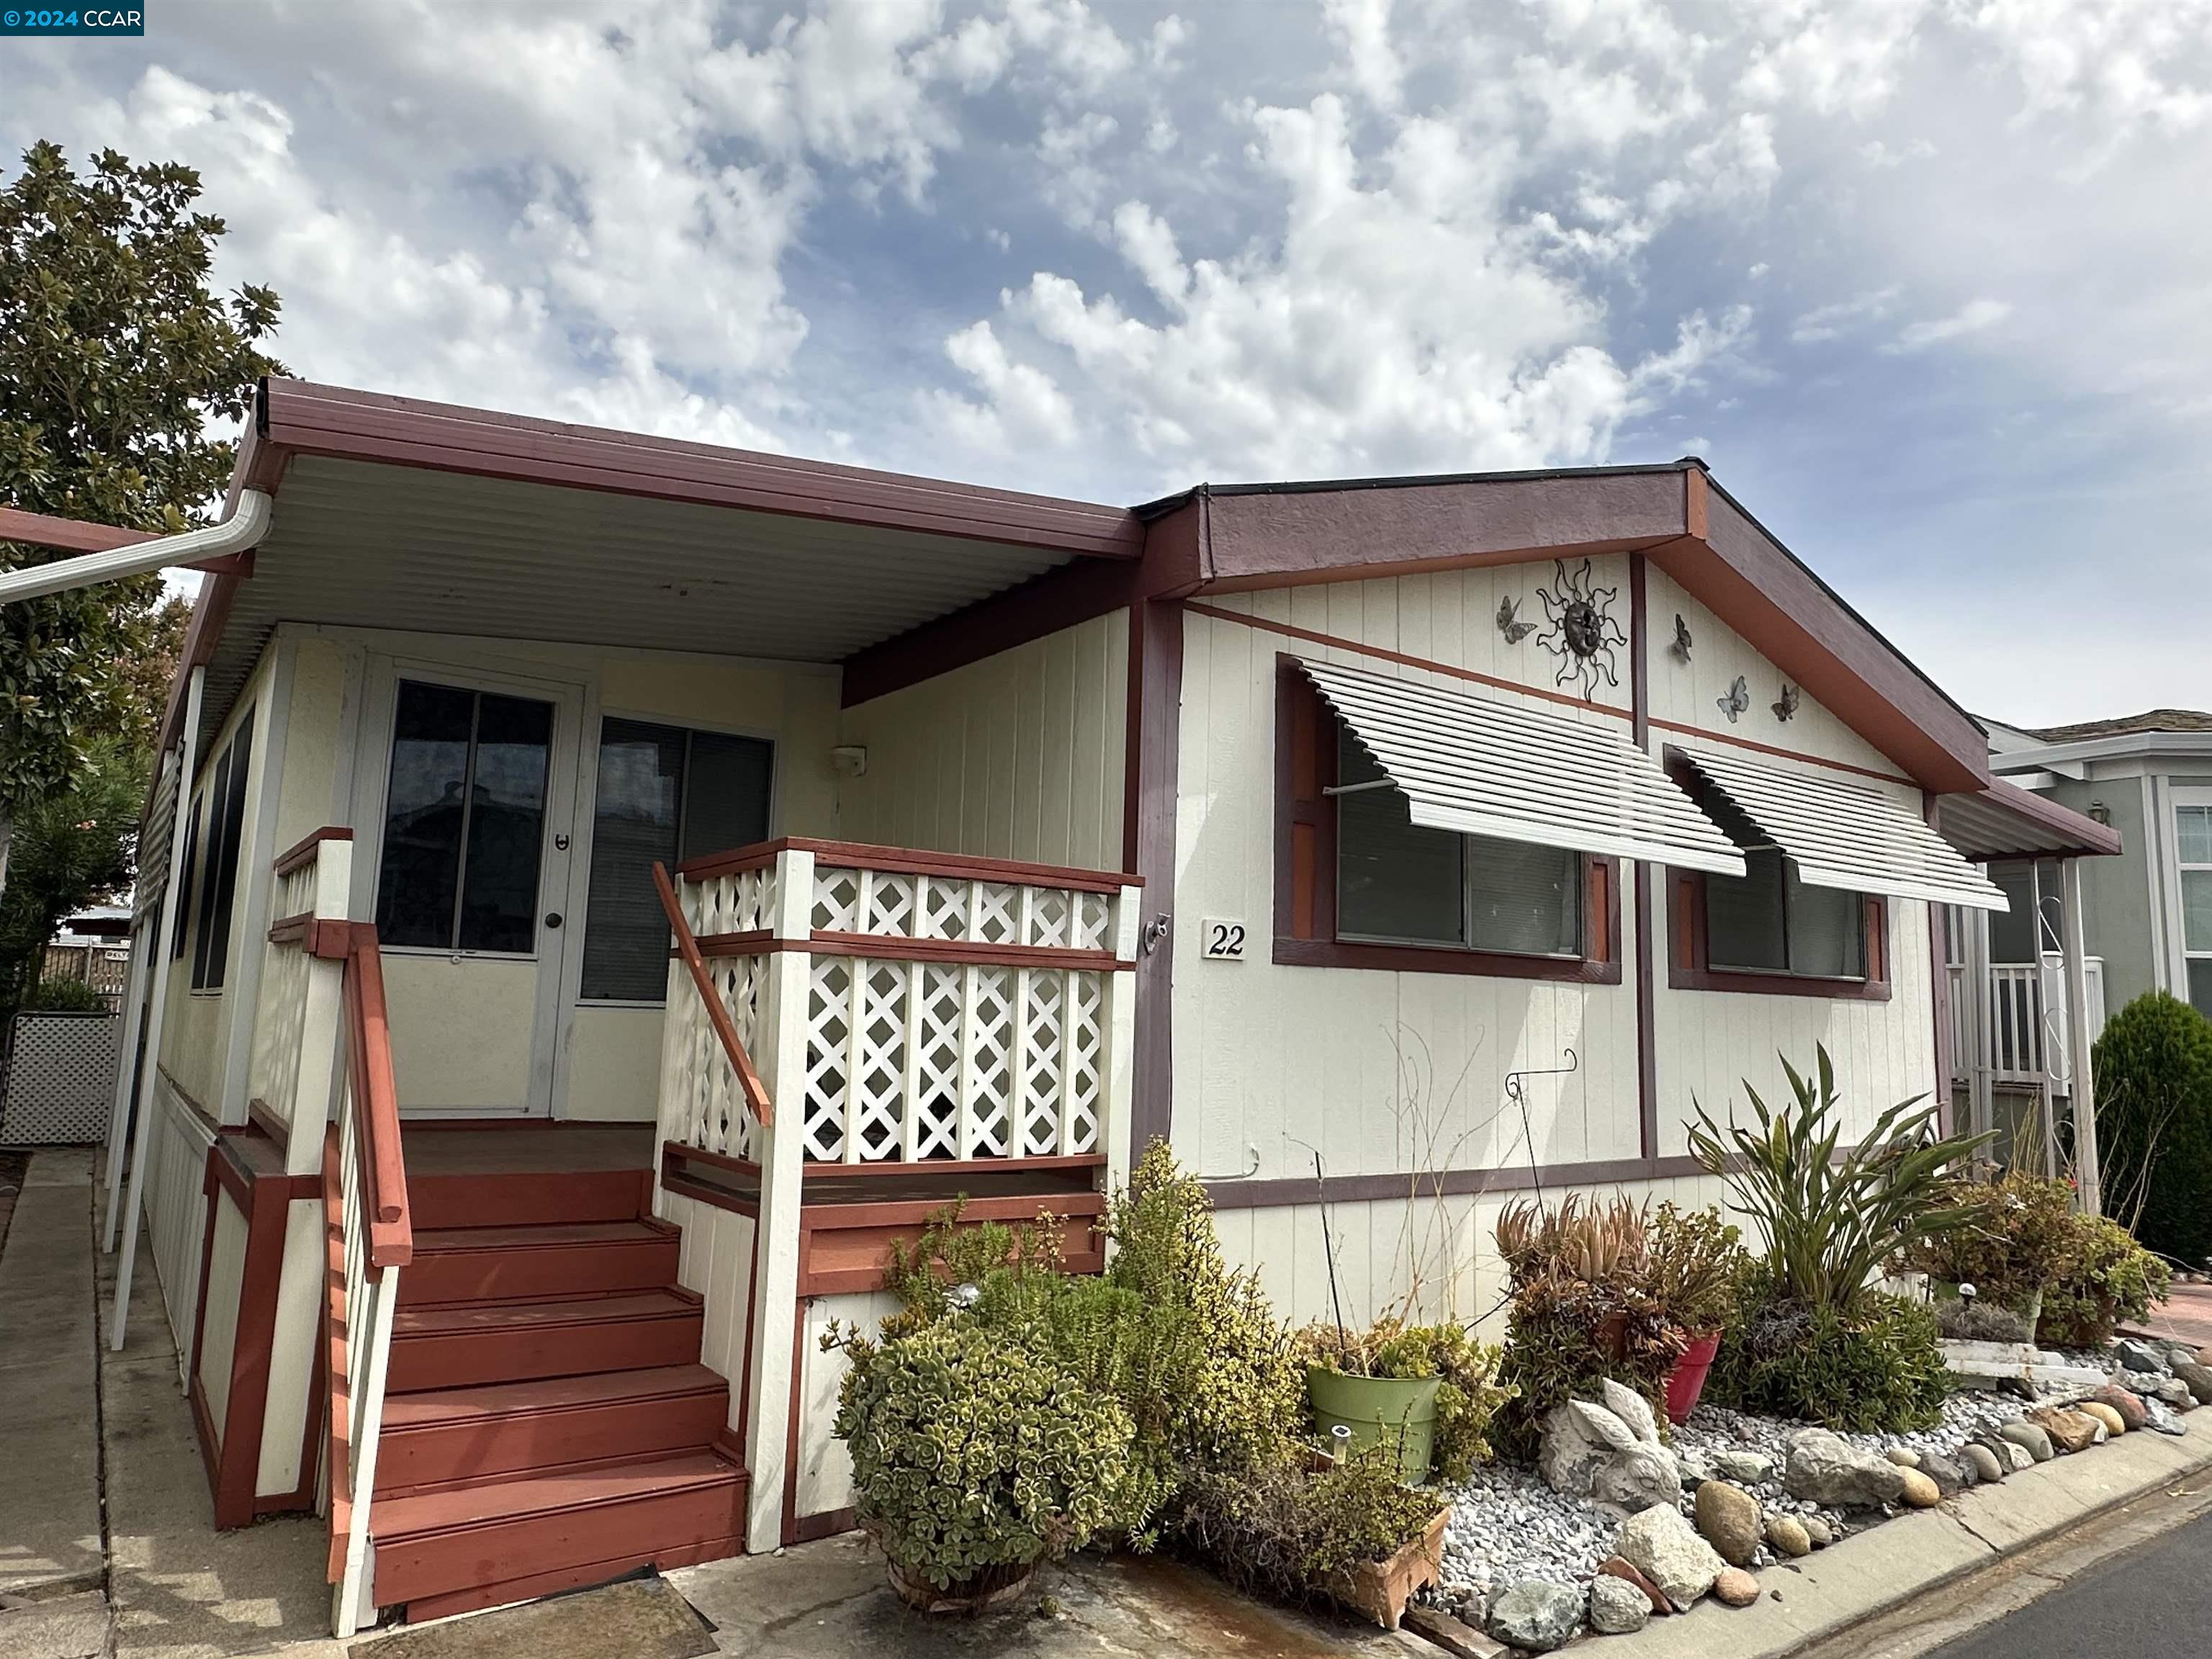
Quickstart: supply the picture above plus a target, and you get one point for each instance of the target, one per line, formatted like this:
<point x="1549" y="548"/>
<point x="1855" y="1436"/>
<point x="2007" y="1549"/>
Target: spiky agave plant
<point x="1832" y="1215"/>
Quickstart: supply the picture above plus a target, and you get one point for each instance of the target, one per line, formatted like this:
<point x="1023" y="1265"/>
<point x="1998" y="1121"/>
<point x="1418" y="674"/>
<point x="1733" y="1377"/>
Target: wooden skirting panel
<point x="245" y="1168"/>
<point x="843" y="1247"/>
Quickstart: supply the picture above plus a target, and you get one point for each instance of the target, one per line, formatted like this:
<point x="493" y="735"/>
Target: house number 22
<point x="1225" y="939"/>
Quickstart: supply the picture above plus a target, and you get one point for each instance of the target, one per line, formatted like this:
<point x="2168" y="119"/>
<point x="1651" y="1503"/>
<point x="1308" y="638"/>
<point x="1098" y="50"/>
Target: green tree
<point x="73" y="847"/>
<point x="116" y="363"/>
<point x="2153" y="1067"/>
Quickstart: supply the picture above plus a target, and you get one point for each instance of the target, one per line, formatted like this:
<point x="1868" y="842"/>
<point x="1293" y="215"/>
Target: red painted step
<point x="464" y="1539"/>
<point x="571" y="1258"/>
<point x="530" y="1199"/>
<point x="452" y="1434"/>
<point x="463" y="1345"/>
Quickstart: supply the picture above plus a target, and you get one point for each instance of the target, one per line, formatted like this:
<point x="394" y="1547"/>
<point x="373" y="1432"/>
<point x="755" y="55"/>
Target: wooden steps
<point x="547" y="1422"/>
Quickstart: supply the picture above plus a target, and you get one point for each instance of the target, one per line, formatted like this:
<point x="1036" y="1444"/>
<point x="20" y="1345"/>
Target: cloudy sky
<point x="1925" y="280"/>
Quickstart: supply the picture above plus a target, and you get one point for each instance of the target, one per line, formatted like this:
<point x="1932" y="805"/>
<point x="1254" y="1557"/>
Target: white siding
<point x="1018" y="755"/>
<point x="1388" y="1073"/>
<point x="717" y="1262"/>
<point x="176" y="1208"/>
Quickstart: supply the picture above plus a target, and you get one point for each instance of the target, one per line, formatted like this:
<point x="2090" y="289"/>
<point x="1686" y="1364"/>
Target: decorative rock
<point x="2163" y="1419"/>
<point x="1613" y="1567"/>
<point x="2128" y="1405"/>
<point x="1461" y="1641"/>
<point x="2069" y="1431"/>
<point x="1820" y="1532"/>
<point x="2138" y="1357"/>
<point x="1667" y="1550"/>
<point x="1788" y="1536"/>
<point x="1903" y="1457"/>
<point x="1985" y="1462"/>
<point x="1734" y="1588"/>
<point x="2030" y="1438"/>
<point x="2108" y="1415"/>
<point x="1752" y="1469"/>
<point x="1832" y="1472"/>
<point x="1920" y="1492"/>
<point x="1729" y="1517"/>
<point x="1617" y="1608"/>
<point x="1612" y="1456"/>
<point x="1535" y="1615"/>
<point x="2173" y="1390"/>
<point x="1951" y="1478"/>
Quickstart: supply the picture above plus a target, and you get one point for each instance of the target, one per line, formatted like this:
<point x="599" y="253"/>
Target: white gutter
<point x="247" y="523"/>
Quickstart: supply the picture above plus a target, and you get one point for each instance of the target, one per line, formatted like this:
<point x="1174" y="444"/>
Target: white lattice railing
<point x="953" y="1008"/>
<point x="295" y="1025"/>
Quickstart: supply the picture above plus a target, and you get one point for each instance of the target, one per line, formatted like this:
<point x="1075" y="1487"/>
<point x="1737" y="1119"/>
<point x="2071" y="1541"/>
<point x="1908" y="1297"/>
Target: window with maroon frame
<point x="1358" y="884"/>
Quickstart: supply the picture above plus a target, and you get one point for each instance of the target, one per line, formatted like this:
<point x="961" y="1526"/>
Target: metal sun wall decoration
<point x="1738" y="700"/>
<point x="1508" y="621"/>
<point x="1681" y="646"/>
<point x="1786" y="705"/>
<point x="1580" y="633"/>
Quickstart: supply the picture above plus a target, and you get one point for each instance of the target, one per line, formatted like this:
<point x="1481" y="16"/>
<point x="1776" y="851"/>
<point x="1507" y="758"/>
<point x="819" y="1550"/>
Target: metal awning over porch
<point x="2005" y="821"/>
<point x="1484" y="767"/>
<point x="393" y="514"/>
<point x="1840" y="835"/>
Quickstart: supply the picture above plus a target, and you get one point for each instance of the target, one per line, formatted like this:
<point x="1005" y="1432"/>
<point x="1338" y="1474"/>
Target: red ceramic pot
<point x="1687" y="1380"/>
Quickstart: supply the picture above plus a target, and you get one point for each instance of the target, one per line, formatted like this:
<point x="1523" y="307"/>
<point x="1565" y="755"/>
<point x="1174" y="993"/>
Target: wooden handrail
<point x="907" y="860"/>
<point x="376" y="1099"/>
<point x="308" y="847"/>
<point x="741" y="1062"/>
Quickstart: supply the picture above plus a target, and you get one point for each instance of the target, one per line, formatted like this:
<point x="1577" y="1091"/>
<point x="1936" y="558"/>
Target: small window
<point x="1768" y="921"/>
<point x="666" y="794"/>
<point x="2194" y="847"/>
<point x="218" y="894"/>
<point x="1359" y="884"/>
<point x="463" y="820"/>
<point x="181" y="902"/>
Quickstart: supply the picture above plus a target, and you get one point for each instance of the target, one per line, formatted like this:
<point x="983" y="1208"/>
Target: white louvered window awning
<point x="1485" y="767"/>
<point x="1839" y="835"/>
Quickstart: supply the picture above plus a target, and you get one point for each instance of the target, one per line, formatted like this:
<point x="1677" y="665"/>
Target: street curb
<point x="1825" y="1593"/>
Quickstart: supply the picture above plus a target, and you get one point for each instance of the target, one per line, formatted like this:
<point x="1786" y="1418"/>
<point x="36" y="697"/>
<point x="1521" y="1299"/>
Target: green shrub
<point x="1874" y="1367"/>
<point x="1282" y="1530"/>
<point x="2153" y="1078"/>
<point x="2103" y="1277"/>
<point x="1467" y="1397"/>
<point x="1832" y="1218"/>
<point x="972" y="1458"/>
<point x="1585" y="1305"/>
<point x="2010" y="1247"/>
<point x="1696" y="1259"/>
<point x="64" y="996"/>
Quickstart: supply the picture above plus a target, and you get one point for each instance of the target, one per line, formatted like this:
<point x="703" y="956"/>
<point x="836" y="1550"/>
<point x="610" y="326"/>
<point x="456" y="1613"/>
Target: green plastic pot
<point x="1396" y="1411"/>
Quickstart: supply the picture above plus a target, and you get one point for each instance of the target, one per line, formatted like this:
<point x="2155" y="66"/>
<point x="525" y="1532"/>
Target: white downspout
<point x="248" y="522"/>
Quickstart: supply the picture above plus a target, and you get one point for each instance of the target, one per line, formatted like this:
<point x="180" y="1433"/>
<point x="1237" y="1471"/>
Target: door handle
<point x="552" y="918"/>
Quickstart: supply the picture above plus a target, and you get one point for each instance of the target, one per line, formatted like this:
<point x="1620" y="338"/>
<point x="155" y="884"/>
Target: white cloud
<point x="1972" y="318"/>
<point x="1828" y="321"/>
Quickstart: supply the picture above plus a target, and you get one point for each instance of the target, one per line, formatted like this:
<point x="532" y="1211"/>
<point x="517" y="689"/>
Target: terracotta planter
<point x="1390" y="1411"/>
<point x="1687" y="1380"/>
<point x="977" y="1595"/>
<point x="1381" y="1589"/>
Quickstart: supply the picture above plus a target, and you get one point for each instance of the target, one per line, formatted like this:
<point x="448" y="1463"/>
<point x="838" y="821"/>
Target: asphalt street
<point x="2156" y="1597"/>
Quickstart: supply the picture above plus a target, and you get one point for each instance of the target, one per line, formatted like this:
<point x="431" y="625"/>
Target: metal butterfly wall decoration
<point x="1681" y="646"/>
<point x="1787" y="704"/>
<point x="1509" y="623"/>
<point x="1738" y="700"/>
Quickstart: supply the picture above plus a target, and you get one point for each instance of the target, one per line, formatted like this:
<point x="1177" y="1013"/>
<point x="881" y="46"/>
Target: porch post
<point x="1981" y="1107"/>
<point x="172" y="895"/>
<point x="775" y="1240"/>
<point x="145" y="948"/>
<point x="2082" y="1087"/>
<point x="1121" y="1041"/>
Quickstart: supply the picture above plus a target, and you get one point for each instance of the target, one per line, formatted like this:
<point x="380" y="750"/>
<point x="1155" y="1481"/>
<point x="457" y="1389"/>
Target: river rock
<point x="1617" y="1608"/>
<point x="2198" y="1378"/>
<point x="1830" y="1471"/>
<point x="1903" y="1457"/>
<point x="2108" y="1415"/>
<point x="2164" y="1419"/>
<point x="2069" y="1431"/>
<point x="2138" y="1356"/>
<point x="1734" y="1588"/>
<point x="2030" y="1438"/>
<point x="1537" y="1615"/>
<point x="1788" y="1536"/>
<point x="1752" y="1469"/>
<point x="1729" y="1517"/>
<point x="1614" y="1567"/>
<point x="1820" y="1532"/>
<point x="1950" y="1477"/>
<point x="1667" y="1550"/>
<point x="2128" y="1405"/>
<point x="1986" y="1463"/>
<point x="1919" y="1490"/>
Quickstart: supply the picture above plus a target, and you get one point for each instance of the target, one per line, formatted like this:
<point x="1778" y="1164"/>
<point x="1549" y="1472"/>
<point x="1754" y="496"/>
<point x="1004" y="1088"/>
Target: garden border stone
<point x="1884" y="1566"/>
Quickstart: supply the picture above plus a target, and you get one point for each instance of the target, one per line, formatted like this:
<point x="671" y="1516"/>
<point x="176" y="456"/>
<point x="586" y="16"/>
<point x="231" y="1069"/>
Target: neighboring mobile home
<point x="1391" y="847"/>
